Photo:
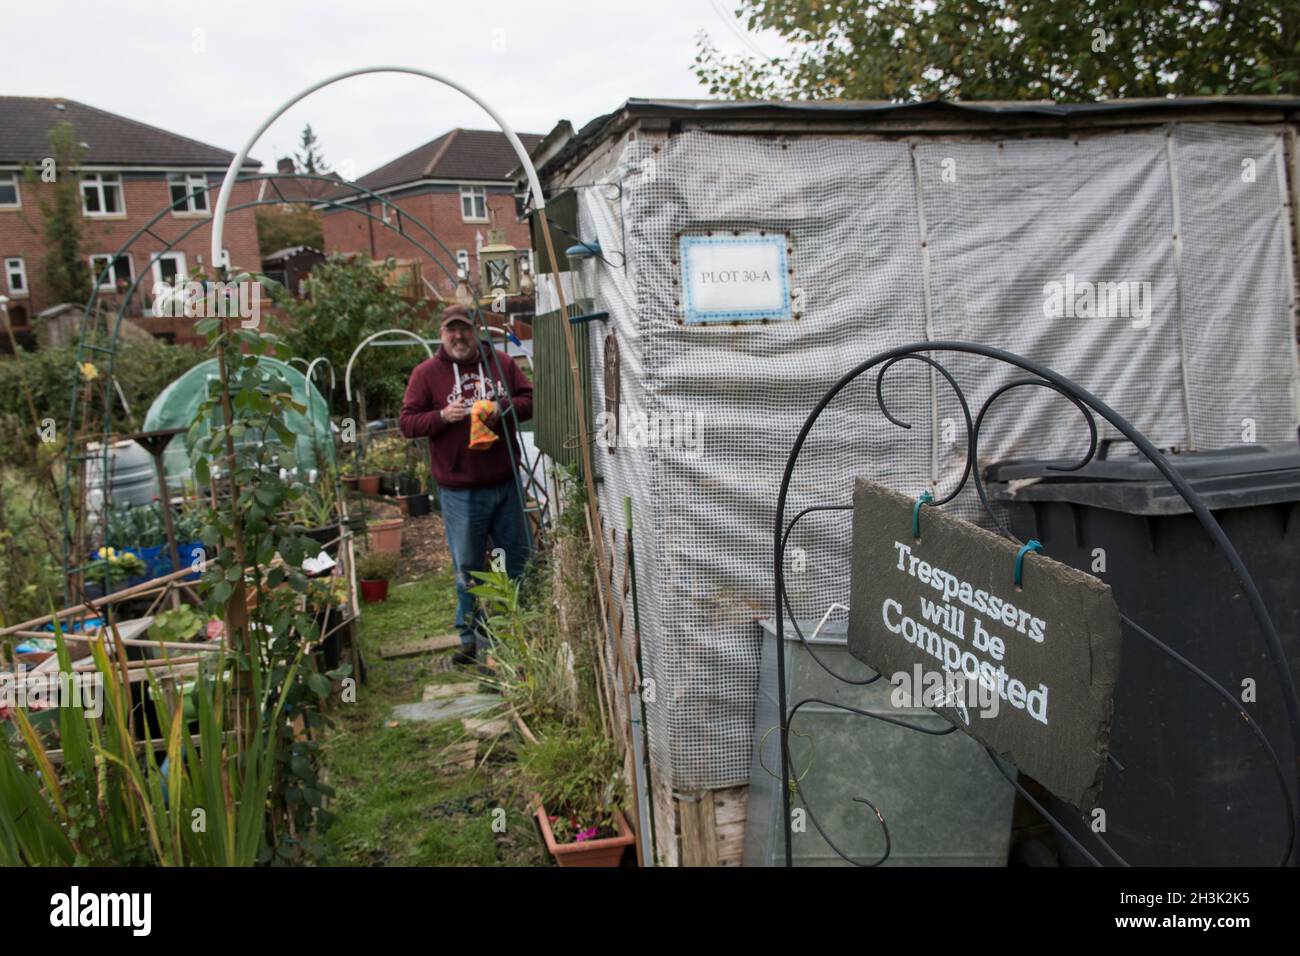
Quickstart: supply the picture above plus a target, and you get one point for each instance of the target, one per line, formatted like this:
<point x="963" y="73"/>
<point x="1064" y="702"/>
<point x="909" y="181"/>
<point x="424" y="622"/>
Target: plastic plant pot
<point x="327" y="537"/>
<point x="386" y="535"/>
<point x="588" y="853"/>
<point x="372" y="592"/>
<point x="350" y="481"/>
<point x="417" y="506"/>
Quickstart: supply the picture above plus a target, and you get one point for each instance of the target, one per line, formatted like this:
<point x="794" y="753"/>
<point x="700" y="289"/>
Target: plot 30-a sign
<point x="729" y="278"/>
<point x="1033" y="665"/>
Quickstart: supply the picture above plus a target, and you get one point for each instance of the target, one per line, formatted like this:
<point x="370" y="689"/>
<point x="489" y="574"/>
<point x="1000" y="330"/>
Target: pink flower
<point x="588" y="834"/>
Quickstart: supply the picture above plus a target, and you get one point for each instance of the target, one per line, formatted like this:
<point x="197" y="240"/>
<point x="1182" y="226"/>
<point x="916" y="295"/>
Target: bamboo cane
<point x="157" y="663"/>
<point x="126" y="594"/>
<point x="127" y="641"/>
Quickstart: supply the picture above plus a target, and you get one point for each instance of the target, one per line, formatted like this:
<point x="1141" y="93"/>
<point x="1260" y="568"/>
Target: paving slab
<point x="486" y="729"/>
<point x="436" y="691"/>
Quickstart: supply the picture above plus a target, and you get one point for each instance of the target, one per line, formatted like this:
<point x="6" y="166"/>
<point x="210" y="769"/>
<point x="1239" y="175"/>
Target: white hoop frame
<point x="228" y="183"/>
<point x="347" y="375"/>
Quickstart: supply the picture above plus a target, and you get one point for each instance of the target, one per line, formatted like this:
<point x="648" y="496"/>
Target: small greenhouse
<point x="177" y="404"/>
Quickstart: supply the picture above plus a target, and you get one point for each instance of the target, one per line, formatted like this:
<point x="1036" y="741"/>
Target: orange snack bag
<point x="481" y="437"/>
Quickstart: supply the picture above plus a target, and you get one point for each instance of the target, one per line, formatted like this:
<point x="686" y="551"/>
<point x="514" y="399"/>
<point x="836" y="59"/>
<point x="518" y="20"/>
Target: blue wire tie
<point x="1033" y="544"/>
<point x="916" y="513"/>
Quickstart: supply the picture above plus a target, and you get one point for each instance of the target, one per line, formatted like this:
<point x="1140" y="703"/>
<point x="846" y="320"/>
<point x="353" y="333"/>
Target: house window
<point x="101" y="195"/>
<point x="168" y="271"/>
<point x="119" y="272"/>
<point x="16" y="273"/>
<point x="167" y="266"/>
<point x="189" y="192"/>
<point x="473" y="203"/>
<point x="9" y="191"/>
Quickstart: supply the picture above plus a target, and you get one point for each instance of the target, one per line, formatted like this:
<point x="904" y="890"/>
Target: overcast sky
<point x="215" y="71"/>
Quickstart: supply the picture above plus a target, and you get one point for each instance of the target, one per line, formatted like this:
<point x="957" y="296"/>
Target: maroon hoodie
<point x="436" y="383"/>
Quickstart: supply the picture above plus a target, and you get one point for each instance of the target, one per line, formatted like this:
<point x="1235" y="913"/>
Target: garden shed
<point x="730" y="261"/>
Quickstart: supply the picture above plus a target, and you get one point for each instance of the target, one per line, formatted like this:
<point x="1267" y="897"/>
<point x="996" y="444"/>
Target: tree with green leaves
<point x="907" y="50"/>
<point x="347" y="300"/>
<point x="299" y="225"/>
<point x="309" y="158"/>
<point x="65" y="270"/>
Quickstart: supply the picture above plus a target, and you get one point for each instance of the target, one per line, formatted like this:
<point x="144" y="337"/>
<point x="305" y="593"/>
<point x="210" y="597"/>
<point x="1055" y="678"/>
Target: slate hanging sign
<point x="1027" y="670"/>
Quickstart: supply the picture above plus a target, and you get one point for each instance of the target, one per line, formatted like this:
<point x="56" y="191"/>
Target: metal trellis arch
<point x="88" y="349"/>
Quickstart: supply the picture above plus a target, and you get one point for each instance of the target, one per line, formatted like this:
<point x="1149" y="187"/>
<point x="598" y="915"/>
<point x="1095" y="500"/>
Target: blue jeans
<point x="472" y="516"/>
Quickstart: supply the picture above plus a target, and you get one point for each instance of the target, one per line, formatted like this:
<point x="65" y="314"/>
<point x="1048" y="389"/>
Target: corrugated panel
<point x="555" y="417"/>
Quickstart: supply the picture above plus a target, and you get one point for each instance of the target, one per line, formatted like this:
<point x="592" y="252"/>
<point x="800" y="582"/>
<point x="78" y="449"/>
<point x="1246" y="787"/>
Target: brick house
<point x="458" y="185"/>
<point x="129" y="172"/>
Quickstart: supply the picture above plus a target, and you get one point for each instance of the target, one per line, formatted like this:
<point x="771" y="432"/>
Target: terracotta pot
<point x="386" y="535"/>
<point x="368" y="484"/>
<point x="373" y="592"/>
<point x="606" y="852"/>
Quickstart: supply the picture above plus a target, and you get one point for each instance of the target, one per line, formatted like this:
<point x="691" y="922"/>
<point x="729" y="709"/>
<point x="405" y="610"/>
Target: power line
<point x="734" y="27"/>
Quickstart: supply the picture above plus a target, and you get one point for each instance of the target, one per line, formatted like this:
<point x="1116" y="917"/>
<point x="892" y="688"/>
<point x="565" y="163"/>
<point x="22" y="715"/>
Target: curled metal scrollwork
<point x="1089" y="407"/>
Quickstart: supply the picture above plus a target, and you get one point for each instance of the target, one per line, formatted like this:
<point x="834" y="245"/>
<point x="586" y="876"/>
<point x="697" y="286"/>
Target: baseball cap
<point x="454" y="313"/>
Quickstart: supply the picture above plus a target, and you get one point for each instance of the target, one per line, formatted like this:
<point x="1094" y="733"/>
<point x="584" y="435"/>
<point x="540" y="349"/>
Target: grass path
<point x="395" y="805"/>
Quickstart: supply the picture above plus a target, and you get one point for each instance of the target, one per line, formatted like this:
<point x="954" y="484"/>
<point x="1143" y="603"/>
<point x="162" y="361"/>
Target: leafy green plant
<point x="377" y="566"/>
<point x="109" y="800"/>
<point x="66" y="273"/>
<point x="177" y="624"/>
<point x="578" y="775"/>
<point x="31" y="572"/>
<point x="543" y="673"/>
<point x="141" y="371"/>
<point x="348" y="298"/>
<point x="386" y="454"/>
<point x="257" y="552"/>
<point x="189" y="518"/>
<point x="112" y="567"/>
<point x="316" y="507"/>
<point x="1001" y="50"/>
<point x="420" y="471"/>
<point x="135" y="526"/>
